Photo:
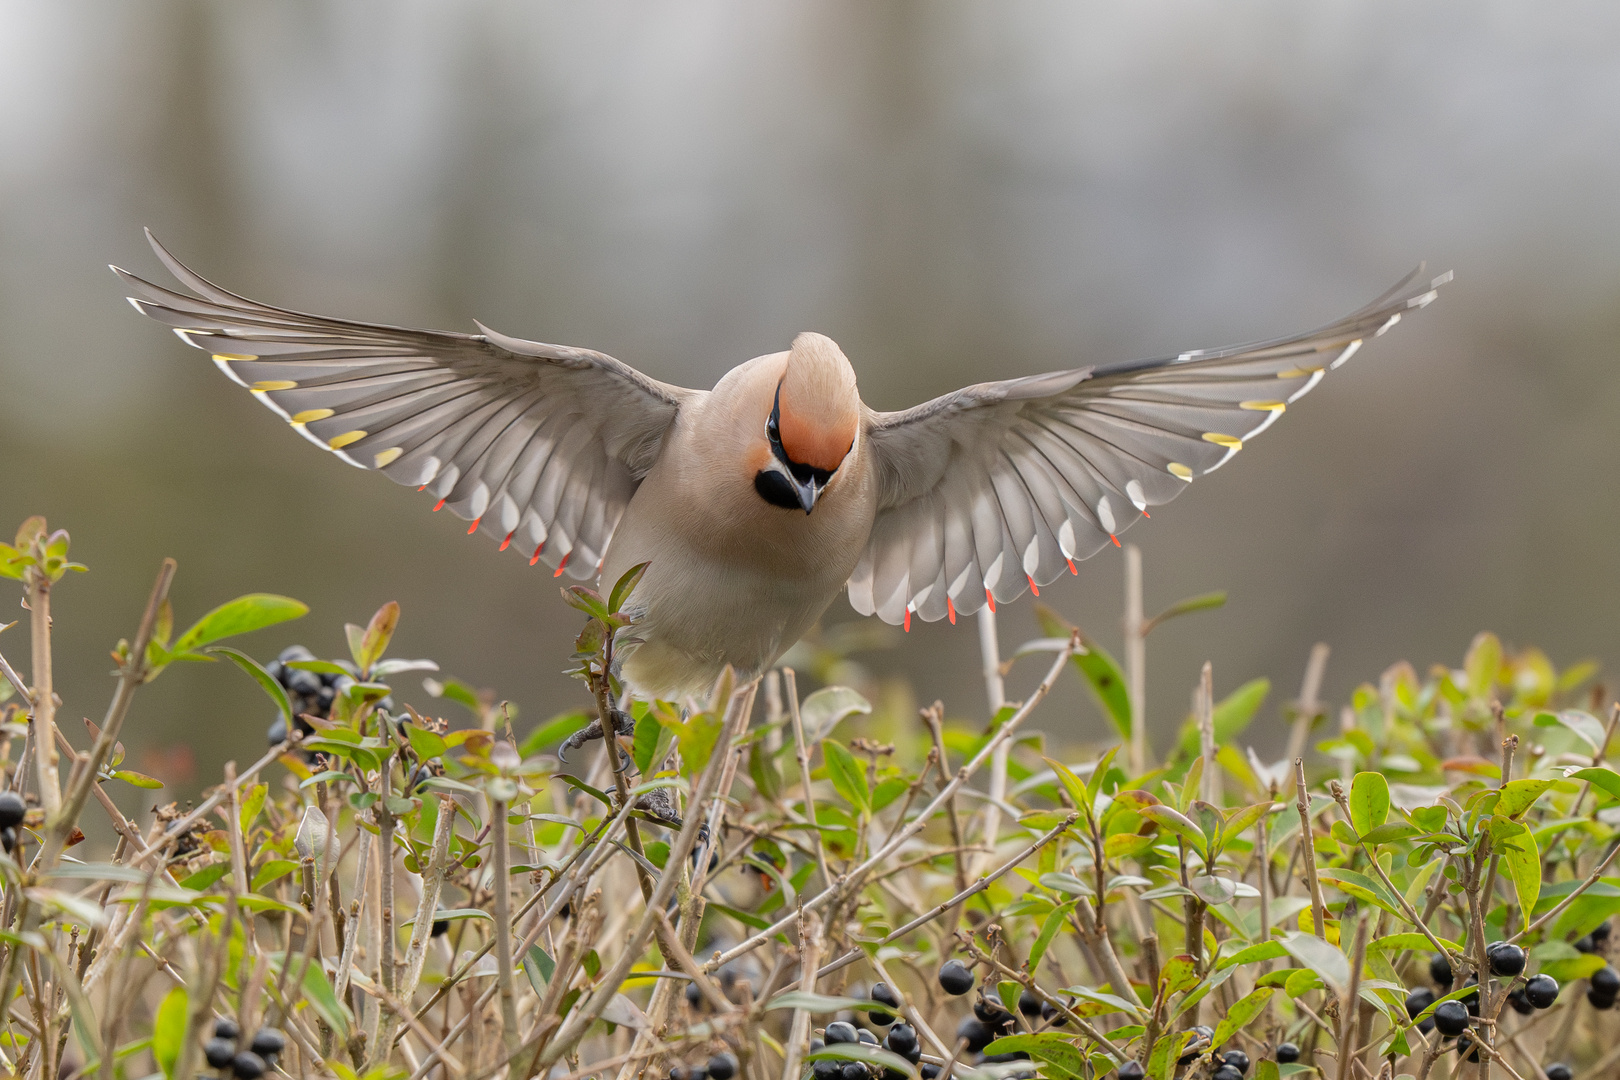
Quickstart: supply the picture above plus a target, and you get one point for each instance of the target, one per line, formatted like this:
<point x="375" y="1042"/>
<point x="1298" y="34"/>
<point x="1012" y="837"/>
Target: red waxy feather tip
<point x="908" y="620"/>
<point x="474" y="526"/>
<point x="1034" y="588"/>
<point x="507" y="541"/>
<point x="950" y="609"/>
<point x="561" y="565"/>
<point x="990" y="598"/>
<point x="536" y="557"/>
<point x="1114" y="538"/>
<point x="439" y="505"/>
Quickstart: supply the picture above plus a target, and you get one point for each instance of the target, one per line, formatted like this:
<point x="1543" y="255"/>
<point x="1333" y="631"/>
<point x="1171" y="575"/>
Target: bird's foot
<point x="659" y="805"/>
<point x="623" y="724"/>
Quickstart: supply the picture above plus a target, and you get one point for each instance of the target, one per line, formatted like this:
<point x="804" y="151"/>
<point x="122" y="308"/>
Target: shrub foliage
<point x="770" y="884"/>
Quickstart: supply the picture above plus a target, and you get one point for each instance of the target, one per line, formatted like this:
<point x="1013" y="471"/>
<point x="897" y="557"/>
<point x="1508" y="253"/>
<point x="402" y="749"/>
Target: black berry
<point x="976" y="1032"/>
<point x="12" y="809"/>
<point x="884" y="994"/>
<point x="1506" y="960"/>
<point x="862" y="1035"/>
<point x="1440" y="970"/>
<point x="826" y="1069"/>
<point x="902" y="1040"/>
<point x="1050" y="1014"/>
<point x="928" y="1072"/>
<point x="1451" y="1017"/>
<point x="1601" y="1002"/>
<point x="226" y="1029"/>
<point x="1558" y="1071"/>
<point x="853" y="1070"/>
<point x="841" y="1031"/>
<point x="1585" y="944"/>
<point x="1029" y="1004"/>
<point x="219" y="1052"/>
<point x="1520" y="1003"/>
<point x="1287" y="1053"/>
<point x="1600" y="932"/>
<point x="955" y="978"/>
<point x="267" y="1043"/>
<point x="1226" y="1072"/>
<point x="1606" y="981"/>
<point x="1201" y="1037"/>
<point x="722" y="1066"/>
<point x="1466" y="1048"/>
<point x="1238" y="1060"/>
<point x="1131" y="1070"/>
<point x="247" y="1065"/>
<point x="1541" y="991"/>
<point x="992" y="1013"/>
<point x="1418" y="1000"/>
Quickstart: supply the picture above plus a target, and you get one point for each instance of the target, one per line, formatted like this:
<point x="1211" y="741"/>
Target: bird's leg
<point x="659" y="805"/>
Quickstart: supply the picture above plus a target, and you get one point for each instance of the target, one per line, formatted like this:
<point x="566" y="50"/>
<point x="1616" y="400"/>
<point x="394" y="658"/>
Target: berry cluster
<point x="1453" y="1018"/>
<point x="901" y="1039"/>
<point x="310" y="693"/>
<point x="224" y="1054"/>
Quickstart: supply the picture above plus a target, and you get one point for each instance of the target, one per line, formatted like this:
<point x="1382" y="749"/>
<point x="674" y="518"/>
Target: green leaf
<point x="1242" y="820"/>
<point x="206" y="876"/>
<point x="1071" y="783"/>
<point x="554" y="730"/>
<point x="624" y="586"/>
<point x="821" y="1003"/>
<point x="1202" y="602"/>
<point x="1232" y="715"/>
<point x="1167" y="818"/>
<point x="1576" y="967"/>
<point x="1165" y="1052"/>
<point x="318" y="991"/>
<point x="266" y="682"/>
<point x="455" y="915"/>
<point x="538" y="966"/>
<point x="169" y="1030"/>
<point x="697" y="738"/>
<point x="1369" y="801"/>
<point x="378" y="633"/>
<point x="864" y="1052"/>
<point x="1096" y="667"/>
<point x="1057" y="1053"/>
<point x="1517" y="847"/>
<point x="823" y="710"/>
<point x="846" y="775"/>
<point x="272" y="871"/>
<point x="1179" y="973"/>
<point x="426" y="744"/>
<point x="252" y="806"/>
<point x="135" y="779"/>
<point x="653" y="741"/>
<point x="1586" y="727"/>
<point x="1482" y="663"/>
<point x="1009" y="992"/>
<point x="1520" y="795"/>
<point x="1266" y="1069"/>
<point x="1099" y="773"/>
<point x="243" y="615"/>
<point x="1320" y="957"/>
<point x="1049" y="930"/>
<point x="465" y="695"/>
<point x="763" y="771"/>
<point x="1242" y="1011"/>
<point x="585" y="600"/>
<point x="1605" y="780"/>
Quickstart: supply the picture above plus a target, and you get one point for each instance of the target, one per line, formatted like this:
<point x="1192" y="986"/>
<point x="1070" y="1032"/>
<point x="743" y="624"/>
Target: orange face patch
<point x="818" y="445"/>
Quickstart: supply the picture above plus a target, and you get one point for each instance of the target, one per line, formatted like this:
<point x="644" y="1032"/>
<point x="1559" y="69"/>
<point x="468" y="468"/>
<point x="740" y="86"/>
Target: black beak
<point x="807" y="492"/>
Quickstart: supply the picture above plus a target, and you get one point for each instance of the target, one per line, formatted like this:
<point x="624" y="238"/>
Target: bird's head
<point x="814" y="419"/>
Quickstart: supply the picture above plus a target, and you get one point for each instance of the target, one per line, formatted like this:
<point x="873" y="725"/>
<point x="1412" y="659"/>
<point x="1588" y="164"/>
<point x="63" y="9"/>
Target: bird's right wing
<point x="540" y="446"/>
<point x="1000" y="487"/>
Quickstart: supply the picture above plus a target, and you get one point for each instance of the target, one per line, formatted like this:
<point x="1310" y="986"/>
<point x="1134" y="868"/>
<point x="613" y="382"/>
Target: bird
<point x="755" y="503"/>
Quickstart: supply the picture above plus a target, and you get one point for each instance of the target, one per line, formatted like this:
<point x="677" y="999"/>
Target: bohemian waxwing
<point x="755" y="502"/>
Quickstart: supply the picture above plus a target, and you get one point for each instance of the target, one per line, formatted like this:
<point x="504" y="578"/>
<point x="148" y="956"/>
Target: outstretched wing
<point x="540" y="446"/>
<point x="1000" y="487"/>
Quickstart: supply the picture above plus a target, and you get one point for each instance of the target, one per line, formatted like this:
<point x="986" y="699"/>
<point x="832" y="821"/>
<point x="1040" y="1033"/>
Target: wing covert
<point x="540" y="446"/>
<point x="998" y="488"/>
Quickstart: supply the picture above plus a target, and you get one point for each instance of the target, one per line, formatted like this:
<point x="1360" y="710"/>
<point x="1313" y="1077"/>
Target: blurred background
<point x="955" y="192"/>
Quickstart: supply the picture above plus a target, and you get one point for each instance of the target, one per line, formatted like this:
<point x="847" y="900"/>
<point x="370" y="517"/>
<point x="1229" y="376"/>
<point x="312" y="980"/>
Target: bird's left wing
<point x="540" y="446"/>
<point x="1000" y="487"/>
